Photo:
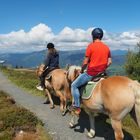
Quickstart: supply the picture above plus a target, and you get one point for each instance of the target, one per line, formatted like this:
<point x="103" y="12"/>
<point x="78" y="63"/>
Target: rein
<point x="67" y="74"/>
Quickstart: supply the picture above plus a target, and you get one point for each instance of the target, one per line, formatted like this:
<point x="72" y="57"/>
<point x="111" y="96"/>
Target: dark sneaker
<point x="75" y="110"/>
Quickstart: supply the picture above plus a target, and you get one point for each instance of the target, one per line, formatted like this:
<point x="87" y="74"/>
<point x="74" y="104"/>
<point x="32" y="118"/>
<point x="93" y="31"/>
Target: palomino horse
<point x="57" y="85"/>
<point x="117" y="96"/>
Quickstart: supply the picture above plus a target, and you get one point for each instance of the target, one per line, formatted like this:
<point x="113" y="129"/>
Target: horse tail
<point x="136" y="88"/>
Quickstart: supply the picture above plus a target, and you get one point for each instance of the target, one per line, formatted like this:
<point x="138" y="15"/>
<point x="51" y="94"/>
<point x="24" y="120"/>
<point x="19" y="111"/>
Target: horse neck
<point x="72" y="73"/>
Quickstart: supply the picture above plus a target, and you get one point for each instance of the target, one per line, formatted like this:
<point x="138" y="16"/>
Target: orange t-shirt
<point x="98" y="54"/>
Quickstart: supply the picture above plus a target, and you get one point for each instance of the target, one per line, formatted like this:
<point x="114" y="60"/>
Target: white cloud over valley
<point x="67" y="39"/>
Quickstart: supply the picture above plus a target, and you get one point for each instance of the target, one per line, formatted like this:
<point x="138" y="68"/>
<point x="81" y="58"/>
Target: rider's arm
<point x="47" y="61"/>
<point x="85" y="62"/>
<point x="109" y="59"/>
<point x="109" y="62"/>
<point x="86" y="59"/>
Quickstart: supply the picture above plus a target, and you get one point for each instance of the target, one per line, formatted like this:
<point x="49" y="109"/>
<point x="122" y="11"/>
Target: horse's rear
<point x="116" y="95"/>
<point x="60" y="85"/>
<point x="59" y="82"/>
<point x="56" y="83"/>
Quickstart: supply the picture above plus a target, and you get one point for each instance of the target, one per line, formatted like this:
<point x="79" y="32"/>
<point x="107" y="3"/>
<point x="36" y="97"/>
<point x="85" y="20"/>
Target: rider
<point x="97" y="59"/>
<point x="51" y="62"/>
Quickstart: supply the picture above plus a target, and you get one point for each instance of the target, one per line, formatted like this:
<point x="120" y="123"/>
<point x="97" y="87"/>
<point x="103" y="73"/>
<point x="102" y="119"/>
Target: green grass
<point x="130" y="126"/>
<point x="28" y="81"/>
<point x="14" y="119"/>
<point x="25" y="79"/>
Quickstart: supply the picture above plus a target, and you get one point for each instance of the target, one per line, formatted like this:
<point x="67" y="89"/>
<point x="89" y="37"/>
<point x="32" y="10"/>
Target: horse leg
<point x="116" y="124"/>
<point x="50" y="98"/>
<point x="64" y="106"/>
<point x="47" y="101"/>
<point x="72" y="121"/>
<point x="91" y="133"/>
<point x="62" y="100"/>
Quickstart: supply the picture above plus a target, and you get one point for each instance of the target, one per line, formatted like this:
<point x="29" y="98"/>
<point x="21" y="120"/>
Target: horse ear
<point x="67" y="66"/>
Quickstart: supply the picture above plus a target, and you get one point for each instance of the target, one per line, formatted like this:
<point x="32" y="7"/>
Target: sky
<point x="28" y="25"/>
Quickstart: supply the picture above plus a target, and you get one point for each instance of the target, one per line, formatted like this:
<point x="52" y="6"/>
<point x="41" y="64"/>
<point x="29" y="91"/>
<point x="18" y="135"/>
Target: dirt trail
<point x="55" y="123"/>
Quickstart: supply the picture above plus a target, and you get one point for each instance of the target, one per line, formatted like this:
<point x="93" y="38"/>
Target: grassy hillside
<point x="28" y="80"/>
<point x="24" y="78"/>
<point x="17" y="123"/>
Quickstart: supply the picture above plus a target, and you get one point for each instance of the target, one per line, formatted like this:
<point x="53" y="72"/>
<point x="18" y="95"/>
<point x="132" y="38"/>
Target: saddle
<point x="48" y="73"/>
<point x="99" y="76"/>
<point x="87" y="89"/>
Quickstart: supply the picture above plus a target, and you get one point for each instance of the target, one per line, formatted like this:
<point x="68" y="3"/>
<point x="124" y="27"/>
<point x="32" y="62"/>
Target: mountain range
<point x="33" y="59"/>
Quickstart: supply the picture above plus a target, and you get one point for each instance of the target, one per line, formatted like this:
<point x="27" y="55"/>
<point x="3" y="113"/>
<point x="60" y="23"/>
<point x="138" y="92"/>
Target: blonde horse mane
<point x="72" y="68"/>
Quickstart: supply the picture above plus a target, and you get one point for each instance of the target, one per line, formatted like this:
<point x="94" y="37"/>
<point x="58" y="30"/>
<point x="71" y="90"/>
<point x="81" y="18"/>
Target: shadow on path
<point x="102" y="127"/>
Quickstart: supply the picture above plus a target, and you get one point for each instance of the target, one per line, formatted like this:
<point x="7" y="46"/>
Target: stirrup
<point x="75" y="110"/>
<point x="48" y="77"/>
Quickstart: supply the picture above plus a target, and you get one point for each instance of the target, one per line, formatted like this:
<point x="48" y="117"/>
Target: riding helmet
<point x="50" y="45"/>
<point x="97" y="33"/>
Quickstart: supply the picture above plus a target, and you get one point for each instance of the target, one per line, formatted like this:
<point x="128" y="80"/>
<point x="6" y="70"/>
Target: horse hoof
<point x="52" y="106"/>
<point x="63" y="113"/>
<point x="91" y="134"/>
<point x="46" y="102"/>
<point x="71" y="125"/>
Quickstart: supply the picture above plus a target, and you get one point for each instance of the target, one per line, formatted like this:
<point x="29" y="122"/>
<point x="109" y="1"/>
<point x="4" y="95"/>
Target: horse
<point x="57" y="85"/>
<point x="115" y="96"/>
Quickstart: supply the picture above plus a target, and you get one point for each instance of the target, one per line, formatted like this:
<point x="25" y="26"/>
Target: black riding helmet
<point x="97" y="33"/>
<point x="50" y="45"/>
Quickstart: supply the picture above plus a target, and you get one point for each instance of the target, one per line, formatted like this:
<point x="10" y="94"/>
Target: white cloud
<point x="122" y="41"/>
<point x="77" y="35"/>
<point x="22" y="41"/>
<point x="67" y="39"/>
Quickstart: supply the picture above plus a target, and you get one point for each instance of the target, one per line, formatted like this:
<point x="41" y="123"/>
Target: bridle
<point x="67" y="74"/>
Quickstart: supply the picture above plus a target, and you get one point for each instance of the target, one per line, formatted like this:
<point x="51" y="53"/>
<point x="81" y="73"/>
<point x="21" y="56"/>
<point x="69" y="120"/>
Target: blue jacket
<point x="52" y="60"/>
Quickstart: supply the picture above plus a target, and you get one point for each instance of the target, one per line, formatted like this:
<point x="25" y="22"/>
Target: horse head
<point x="40" y="69"/>
<point x="73" y="72"/>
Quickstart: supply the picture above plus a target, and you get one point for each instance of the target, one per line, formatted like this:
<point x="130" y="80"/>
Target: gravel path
<point x="55" y="123"/>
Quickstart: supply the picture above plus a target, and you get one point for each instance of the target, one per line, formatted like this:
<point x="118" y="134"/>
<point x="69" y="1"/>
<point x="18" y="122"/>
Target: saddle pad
<point x="87" y="90"/>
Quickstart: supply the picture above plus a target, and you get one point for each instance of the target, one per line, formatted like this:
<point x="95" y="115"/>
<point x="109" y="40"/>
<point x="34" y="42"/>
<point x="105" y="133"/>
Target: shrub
<point x="132" y="66"/>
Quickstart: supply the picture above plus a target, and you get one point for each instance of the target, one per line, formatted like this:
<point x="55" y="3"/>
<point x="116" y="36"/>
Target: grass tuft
<point x="13" y="119"/>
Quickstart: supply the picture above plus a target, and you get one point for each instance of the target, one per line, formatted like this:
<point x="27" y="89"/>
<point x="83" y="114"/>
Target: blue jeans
<point x="81" y="80"/>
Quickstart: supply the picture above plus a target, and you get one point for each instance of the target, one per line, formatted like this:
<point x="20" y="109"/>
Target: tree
<point x="132" y="66"/>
